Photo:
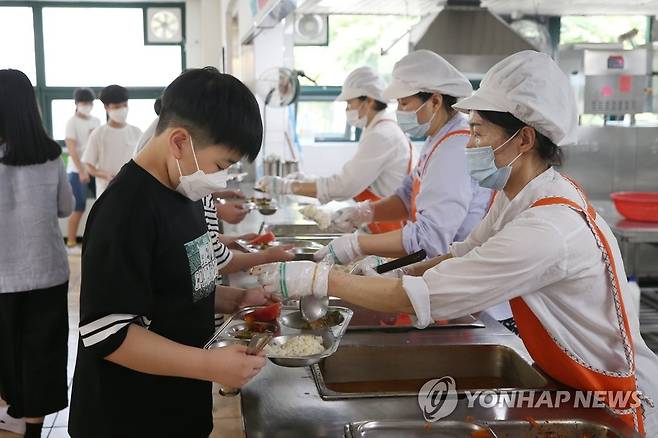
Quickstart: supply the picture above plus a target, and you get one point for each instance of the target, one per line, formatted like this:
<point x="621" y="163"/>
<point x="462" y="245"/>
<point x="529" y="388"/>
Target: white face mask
<point x="408" y="121"/>
<point x="119" y="115"/>
<point x="353" y="118"/>
<point x="84" y="108"/>
<point x="200" y="184"/>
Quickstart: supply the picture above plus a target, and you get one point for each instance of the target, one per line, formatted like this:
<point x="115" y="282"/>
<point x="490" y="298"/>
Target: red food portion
<point x="263" y="238"/>
<point x="264" y="314"/>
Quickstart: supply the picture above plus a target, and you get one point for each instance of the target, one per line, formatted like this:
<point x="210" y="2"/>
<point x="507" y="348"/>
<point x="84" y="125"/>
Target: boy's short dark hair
<point x="157" y="105"/>
<point x="216" y="108"/>
<point x="84" y="95"/>
<point x="113" y="94"/>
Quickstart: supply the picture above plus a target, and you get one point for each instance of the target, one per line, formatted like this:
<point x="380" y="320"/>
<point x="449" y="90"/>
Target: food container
<point x="304" y="249"/>
<point x="272" y="166"/>
<point x="289" y="167"/>
<point x="285" y="329"/>
<point x="637" y="206"/>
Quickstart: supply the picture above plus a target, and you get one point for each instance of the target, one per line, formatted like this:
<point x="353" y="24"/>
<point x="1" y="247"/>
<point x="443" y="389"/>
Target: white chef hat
<point x="426" y="71"/>
<point x="364" y="81"/>
<point x="530" y="86"/>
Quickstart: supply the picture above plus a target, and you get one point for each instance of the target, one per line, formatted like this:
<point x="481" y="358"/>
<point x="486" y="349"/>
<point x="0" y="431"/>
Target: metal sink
<point x="358" y="371"/>
<point x="464" y="429"/>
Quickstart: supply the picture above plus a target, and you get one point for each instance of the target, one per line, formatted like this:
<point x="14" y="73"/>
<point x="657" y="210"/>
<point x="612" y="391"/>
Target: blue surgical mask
<point x="408" y="121"/>
<point x="481" y="164"/>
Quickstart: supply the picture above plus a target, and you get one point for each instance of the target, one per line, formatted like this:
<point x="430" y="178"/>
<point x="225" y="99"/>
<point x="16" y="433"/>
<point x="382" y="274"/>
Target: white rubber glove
<point x="349" y="218"/>
<point x="294" y="279"/>
<point x="275" y="185"/>
<point x="342" y="250"/>
<point x="366" y="267"/>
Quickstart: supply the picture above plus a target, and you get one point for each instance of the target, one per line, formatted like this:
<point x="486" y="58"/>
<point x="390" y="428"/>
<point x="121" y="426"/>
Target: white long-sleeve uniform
<point x="549" y="256"/>
<point x="380" y="162"/>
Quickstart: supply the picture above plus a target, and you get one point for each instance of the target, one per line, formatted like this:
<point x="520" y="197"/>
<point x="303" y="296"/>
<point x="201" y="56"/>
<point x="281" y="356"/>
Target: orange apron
<point x="559" y="363"/>
<point x="420" y="170"/>
<point x="369" y="195"/>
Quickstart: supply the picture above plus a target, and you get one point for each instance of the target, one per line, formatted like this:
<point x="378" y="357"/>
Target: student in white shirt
<point x="78" y="129"/>
<point x="112" y="145"/>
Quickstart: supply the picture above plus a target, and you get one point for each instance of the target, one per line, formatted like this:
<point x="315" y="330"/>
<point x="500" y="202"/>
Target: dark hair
<point x="157" y="105"/>
<point x="216" y="108"/>
<point x="379" y="105"/>
<point x="21" y="130"/>
<point x="84" y="95"/>
<point x="547" y="150"/>
<point x="113" y="94"/>
<point x="448" y="100"/>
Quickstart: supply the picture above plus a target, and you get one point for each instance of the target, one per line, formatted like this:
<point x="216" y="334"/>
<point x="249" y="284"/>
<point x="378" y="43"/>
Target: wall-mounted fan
<point x="311" y="30"/>
<point x="163" y="26"/>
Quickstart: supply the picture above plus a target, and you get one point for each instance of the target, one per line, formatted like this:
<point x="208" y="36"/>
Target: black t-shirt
<point x="147" y="259"/>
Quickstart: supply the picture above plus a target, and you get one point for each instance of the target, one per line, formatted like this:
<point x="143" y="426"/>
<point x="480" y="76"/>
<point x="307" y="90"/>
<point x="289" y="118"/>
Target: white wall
<point x="205" y="27"/>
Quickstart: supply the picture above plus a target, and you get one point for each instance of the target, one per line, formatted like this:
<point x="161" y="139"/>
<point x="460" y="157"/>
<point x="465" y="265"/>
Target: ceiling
<point x="541" y="7"/>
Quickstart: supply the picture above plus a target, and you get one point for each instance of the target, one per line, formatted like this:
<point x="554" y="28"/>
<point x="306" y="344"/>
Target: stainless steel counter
<point x="284" y="402"/>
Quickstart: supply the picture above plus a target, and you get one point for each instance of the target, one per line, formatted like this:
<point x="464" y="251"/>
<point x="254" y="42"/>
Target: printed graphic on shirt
<point x="202" y="266"/>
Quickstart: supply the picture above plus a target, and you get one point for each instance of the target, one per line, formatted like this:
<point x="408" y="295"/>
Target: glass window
<point x="322" y="121"/>
<point x="601" y="29"/>
<point x="354" y="41"/>
<point x="140" y="114"/>
<point x="82" y="49"/>
<point x="17" y="34"/>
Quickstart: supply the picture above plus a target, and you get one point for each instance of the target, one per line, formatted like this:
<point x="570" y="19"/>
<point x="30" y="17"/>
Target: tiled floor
<point x="226" y="410"/>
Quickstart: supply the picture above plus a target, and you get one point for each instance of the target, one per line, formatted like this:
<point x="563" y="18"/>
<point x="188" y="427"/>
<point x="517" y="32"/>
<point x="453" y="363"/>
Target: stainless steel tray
<point x="304" y="247"/>
<point x="465" y="429"/>
<point x="331" y="336"/>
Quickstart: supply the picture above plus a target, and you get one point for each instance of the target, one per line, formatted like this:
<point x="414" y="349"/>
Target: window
<point x="140" y="114"/>
<point x="322" y="121"/>
<point x="17" y="34"/>
<point x="601" y="29"/>
<point x="354" y="41"/>
<point x="82" y="50"/>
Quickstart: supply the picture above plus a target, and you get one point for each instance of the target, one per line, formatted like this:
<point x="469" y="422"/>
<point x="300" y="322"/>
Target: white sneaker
<point x="7" y="422"/>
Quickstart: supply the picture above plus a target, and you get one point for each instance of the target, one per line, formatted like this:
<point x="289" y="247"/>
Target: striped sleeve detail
<point x="222" y="254"/>
<point x="102" y="328"/>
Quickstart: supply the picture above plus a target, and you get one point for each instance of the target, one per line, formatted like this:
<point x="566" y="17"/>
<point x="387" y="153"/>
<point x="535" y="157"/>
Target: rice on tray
<point x="298" y="346"/>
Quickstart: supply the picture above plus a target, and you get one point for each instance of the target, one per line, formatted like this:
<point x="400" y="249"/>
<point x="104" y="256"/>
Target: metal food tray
<point x="304" y="247"/>
<point x="289" y="315"/>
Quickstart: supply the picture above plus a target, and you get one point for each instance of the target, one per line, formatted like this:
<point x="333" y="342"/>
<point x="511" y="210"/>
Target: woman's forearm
<point x="384" y="245"/>
<point x="148" y="352"/>
<point x="390" y="208"/>
<point x="418" y="269"/>
<point x="374" y="293"/>
<point x="309" y="188"/>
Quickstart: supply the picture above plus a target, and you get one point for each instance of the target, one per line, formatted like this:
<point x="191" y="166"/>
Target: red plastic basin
<point x="637" y="206"/>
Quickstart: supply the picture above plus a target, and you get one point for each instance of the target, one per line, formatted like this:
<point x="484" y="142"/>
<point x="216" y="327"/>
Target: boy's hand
<point x="258" y="296"/>
<point x="231" y="366"/>
<point x="231" y="212"/>
<point x="279" y="253"/>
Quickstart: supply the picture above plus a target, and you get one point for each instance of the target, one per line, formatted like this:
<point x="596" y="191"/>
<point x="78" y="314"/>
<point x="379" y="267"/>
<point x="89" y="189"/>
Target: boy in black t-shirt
<point x="148" y="298"/>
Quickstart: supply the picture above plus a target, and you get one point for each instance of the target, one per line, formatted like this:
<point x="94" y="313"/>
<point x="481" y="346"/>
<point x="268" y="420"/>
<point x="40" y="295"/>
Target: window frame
<point x="46" y="94"/>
